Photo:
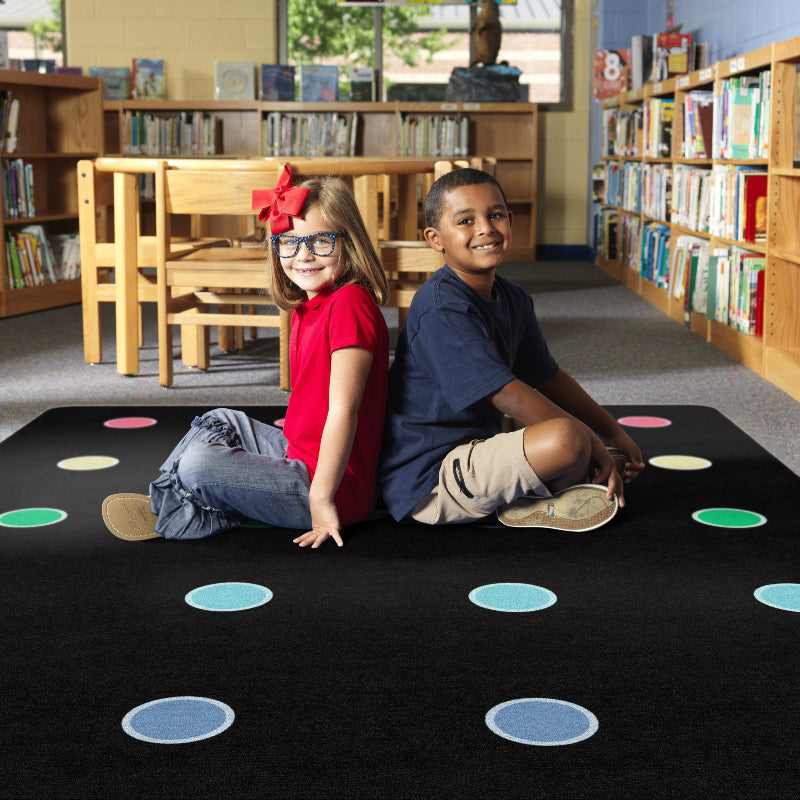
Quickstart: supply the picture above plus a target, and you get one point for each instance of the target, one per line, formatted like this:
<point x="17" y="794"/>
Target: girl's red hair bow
<point x="280" y="203"/>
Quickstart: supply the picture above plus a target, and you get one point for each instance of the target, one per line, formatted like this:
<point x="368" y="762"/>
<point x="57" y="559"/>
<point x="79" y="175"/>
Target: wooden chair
<point x="118" y="263"/>
<point x="226" y="276"/>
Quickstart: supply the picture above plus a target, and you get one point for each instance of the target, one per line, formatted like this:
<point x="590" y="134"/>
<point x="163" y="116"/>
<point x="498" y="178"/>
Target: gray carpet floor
<point x="620" y="348"/>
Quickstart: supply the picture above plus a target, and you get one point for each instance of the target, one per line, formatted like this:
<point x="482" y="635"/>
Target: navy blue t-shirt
<point x="455" y="350"/>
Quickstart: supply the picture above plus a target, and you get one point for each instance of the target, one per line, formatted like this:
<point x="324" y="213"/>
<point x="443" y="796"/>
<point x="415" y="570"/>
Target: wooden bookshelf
<point x="776" y="354"/>
<point x="60" y="122"/>
<point x="506" y="132"/>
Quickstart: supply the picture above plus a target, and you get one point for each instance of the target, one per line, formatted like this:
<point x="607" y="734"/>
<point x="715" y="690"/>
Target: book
<point x="66" y="249"/>
<point x="318" y="82"/>
<point x="116" y="81"/>
<point x="641" y="61"/>
<point x="755" y="206"/>
<point x="147" y="79"/>
<point x="741" y="123"/>
<point x="671" y="55"/>
<point x="610" y="72"/>
<point x="234" y="80"/>
<point x="42" y="252"/>
<point x="362" y="84"/>
<point x="68" y="70"/>
<point x="4" y="61"/>
<point x="277" y="82"/>
<point x="10" y="126"/>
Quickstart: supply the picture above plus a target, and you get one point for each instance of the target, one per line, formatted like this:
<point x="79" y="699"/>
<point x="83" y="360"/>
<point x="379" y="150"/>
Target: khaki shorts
<point x="478" y="477"/>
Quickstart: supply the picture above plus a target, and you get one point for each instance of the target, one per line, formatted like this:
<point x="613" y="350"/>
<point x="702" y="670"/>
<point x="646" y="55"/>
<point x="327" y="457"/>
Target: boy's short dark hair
<point x="434" y="202"/>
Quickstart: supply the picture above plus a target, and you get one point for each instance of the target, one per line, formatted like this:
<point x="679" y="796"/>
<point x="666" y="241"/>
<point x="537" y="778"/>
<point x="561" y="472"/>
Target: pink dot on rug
<point x="130" y="422"/>
<point x="279" y="422"/>
<point x="644" y="422"/>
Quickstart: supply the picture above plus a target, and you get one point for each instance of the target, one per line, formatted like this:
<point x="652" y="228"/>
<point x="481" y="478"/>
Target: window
<point x="537" y="39"/>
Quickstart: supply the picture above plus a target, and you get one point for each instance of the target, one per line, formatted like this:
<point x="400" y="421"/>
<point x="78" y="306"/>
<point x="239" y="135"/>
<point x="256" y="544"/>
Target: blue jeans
<point x="226" y="470"/>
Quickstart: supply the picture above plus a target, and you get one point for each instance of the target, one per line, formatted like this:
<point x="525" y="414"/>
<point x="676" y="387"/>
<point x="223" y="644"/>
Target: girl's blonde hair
<point x="359" y="261"/>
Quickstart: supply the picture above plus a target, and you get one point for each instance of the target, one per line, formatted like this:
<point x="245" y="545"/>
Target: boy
<point x="470" y="354"/>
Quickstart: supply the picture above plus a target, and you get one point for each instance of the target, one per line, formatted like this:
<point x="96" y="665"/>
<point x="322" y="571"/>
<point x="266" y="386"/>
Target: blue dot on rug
<point x="229" y="596"/>
<point x="513" y="597"/>
<point x="785" y="596"/>
<point x="542" y="721"/>
<point x="177" y="720"/>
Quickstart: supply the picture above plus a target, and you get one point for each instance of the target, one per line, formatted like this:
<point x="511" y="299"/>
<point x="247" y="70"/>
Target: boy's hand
<point x="604" y="472"/>
<point x="634" y="463"/>
<point x="325" y="524"/>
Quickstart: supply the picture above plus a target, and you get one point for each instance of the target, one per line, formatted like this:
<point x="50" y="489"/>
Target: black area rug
<point x="370" y="674"/>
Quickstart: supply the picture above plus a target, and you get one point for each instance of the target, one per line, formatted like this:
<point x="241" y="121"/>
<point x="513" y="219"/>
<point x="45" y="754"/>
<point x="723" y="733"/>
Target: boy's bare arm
<point x="563" y="390"/>
<point x="562" y="396"/>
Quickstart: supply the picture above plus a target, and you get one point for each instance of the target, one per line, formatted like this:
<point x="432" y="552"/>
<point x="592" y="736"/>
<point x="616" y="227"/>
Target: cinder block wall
<point x="188" y="34"/>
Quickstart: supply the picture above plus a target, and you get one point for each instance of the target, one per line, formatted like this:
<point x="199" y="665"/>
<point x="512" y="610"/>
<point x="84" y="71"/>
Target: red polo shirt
<point x="336" y="318"/>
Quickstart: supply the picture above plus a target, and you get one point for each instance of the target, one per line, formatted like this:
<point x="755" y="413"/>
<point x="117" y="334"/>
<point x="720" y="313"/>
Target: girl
<point x="318" y="474"/>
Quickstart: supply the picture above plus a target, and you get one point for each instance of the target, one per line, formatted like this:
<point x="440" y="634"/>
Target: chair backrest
<point x="215" y="191"/>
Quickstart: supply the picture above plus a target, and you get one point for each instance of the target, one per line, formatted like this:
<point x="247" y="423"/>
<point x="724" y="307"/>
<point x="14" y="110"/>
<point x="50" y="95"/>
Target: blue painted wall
<point x="731" y="27"/>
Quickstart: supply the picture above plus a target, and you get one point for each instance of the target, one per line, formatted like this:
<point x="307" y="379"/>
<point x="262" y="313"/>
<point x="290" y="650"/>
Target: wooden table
<point x="366" y="175"/>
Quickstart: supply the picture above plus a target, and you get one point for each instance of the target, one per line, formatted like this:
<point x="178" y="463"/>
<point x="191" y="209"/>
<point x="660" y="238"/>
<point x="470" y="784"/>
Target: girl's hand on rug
<point x="325" y="522"/>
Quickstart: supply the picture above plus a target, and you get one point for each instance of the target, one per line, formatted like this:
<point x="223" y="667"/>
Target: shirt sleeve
<point x="455" y="351"/>
<point x="352" y="319"/>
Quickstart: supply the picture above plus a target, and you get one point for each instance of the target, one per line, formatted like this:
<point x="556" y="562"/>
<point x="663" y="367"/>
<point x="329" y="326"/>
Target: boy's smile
<point x="474" y="234"/>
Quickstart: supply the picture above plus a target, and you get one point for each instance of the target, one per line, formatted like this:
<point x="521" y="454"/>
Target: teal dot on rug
<point x="542" y="721"/>
<point x="784" y="596"/>
<point x="512" y="597"/>
<point x="729" y="518"/>
<point x="32" y="517"/>
<point x="229" y="596"/>
<point x="178" y="720"/>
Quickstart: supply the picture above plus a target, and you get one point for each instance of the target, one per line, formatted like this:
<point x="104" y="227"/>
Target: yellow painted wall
<point x="564" y="147"/>
<point x="188" y="34"/>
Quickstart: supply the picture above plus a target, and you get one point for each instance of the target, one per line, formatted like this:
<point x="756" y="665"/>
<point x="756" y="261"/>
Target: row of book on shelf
<point x="728" y="201"/>
<point x="285" y="133"/>
<point x="34" y="258"/>
<point x="242" y="80"/>
<point x="729" y="122"/>
<point x="309" y="134"/>
<point x="433" y="135"/>
<point x="185" y="133"/>
<point x="16" y="186"/>
<point x="723" y="283"/>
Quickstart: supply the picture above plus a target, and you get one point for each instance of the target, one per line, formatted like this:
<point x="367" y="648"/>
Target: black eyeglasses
<point x="318" y="244"/>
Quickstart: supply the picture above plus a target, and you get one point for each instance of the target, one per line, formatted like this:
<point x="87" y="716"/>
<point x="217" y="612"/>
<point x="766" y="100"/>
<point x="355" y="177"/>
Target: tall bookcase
<point x="630" y="214"/>
<point x="506" y="132"/>
<point x="60" y="122"/>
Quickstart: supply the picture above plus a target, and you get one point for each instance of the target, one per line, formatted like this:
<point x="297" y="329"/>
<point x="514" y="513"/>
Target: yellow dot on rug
<point x="680" y="462"/>
<point x="80" y="463"/>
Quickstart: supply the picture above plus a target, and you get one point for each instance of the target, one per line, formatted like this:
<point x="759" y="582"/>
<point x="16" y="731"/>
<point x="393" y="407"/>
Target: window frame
<point x="567" y="47"/>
